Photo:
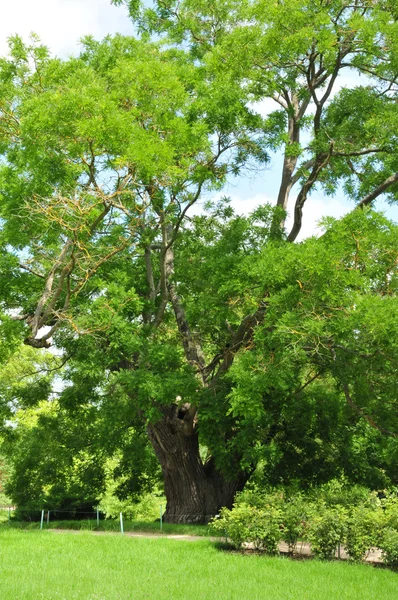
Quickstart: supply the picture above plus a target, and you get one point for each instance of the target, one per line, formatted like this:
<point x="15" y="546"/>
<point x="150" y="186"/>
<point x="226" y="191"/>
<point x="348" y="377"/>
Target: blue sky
<point x="61" y="23"/>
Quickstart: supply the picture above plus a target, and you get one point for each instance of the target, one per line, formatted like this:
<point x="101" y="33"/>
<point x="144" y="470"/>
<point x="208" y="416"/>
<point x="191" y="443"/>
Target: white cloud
<point x="315" y="209"/>
<point x="61" y="23"/>
<point x="244" y="206"/>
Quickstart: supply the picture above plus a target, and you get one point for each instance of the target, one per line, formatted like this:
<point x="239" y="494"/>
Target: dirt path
<point x="303" y="549"/>
<point x="169" y="536"/>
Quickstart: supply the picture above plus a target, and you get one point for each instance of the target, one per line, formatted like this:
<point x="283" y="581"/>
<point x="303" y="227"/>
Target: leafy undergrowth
<point x="114" y="525"/>
<point x="81" y="566"/>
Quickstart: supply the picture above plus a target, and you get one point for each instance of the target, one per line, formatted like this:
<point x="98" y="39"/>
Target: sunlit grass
<point x="85" y="566"/>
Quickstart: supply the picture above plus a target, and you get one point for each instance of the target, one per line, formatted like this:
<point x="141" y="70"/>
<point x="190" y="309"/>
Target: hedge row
<point x="371" y="524"/>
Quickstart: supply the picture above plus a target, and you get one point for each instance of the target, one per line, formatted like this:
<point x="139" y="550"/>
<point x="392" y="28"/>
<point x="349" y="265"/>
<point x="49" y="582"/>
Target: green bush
<point x="339" y="492"/>
<point x="259" y="498"/>
<point x="264" y="519"/>
<point x="265" y="529"/>
<point x="251" y="525"/>
<point x="390" y="506"/>
<point x="389" y="547"/>
<point x="234" y="524"/>
<point x="295" y="521"/>
<point x="327" y="530"/>
<point x="362" y="532"/>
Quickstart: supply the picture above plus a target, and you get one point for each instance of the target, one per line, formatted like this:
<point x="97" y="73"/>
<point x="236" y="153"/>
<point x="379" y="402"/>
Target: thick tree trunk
<point x="195" y="492"/>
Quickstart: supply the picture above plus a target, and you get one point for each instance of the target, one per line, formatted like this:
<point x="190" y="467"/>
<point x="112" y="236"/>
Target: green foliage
<point x="235" y="524"/>
<point x="43" y="475"/>
<point x="147" y="508"/>
<point x="343" y="493"/>
<point x="260" y="527"/>
<point x="328" y="517"/>
<point x="389" y="547"/>
<point x="127" y="485"/>
<point x="4" y="476"/>
<point x="327" y="306"/>
<point x="363" y="531"/>
<point x="390" y="510"/>
<point x="293" y="52"/>
<point x="295" y="515"/>
<point x="60" y="462"/>
<point x="266" y="529"/>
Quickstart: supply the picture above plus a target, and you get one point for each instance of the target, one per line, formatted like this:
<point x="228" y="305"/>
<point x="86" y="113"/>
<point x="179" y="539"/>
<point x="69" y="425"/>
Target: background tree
<point x="57" y="456"/>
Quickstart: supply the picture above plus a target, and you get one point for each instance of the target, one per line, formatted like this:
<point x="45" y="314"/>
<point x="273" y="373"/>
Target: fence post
<point x="121" y="523"/>
<point x="97" y="517"/>
<point x="9" y="515"/>
<point x="41" y="519"/>
<point x="48" y="517"/>
<point x="161" y="518"/>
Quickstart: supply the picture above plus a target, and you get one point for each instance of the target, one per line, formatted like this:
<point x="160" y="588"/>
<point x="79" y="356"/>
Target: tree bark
<point x="195" y="491"/>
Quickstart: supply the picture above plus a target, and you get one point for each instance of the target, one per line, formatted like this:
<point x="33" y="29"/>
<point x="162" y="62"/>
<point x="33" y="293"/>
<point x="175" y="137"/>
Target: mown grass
<point x="114" y="525"/>
<point x="84" y="566"/>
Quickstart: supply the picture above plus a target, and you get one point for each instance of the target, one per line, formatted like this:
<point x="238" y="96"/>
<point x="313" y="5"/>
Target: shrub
<point x="295" y="521"/>
<point x="249" y="524"/>
<point x="362" y="531"/>
<point x="234" y="524"/>
<point x="389" y="547"/>
<point x="327" y="530"/>
<point x="339" y="492"/>
<point x="260" y="498"/>
<point x="390" y="505"/>
<point x="265" y="529"/>
<point x="263" y="519"/>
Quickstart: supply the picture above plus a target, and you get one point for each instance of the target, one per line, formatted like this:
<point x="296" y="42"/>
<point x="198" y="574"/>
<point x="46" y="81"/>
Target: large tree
<point x="215" y="329"/>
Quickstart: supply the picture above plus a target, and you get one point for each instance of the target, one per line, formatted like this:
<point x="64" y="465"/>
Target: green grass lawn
<point x="84" y="566"/>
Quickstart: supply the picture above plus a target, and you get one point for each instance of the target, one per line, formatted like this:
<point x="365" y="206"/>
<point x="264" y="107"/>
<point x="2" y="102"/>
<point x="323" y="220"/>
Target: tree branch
<point x="27" y="268"/>
<point x="242" y="336"/>
<point x="321" y="162"/>
<point x="378" y="191"/>
<point x="48" y="289"/>
<point x="361" y="412"/>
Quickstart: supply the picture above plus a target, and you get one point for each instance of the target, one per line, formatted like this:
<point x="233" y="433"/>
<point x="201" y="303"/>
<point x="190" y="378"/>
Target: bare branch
<point x="183" y="214"/>
<point x="364" y="152"/>
<point x="27" y="268"/>
<point x="307" y="165"/>
<point x="378" y="191"/>
<point x="279" y="101"/>
<point x="47" y="370"/>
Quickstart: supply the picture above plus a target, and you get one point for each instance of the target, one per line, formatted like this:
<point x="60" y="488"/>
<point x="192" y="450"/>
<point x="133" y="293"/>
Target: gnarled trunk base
<point x="195" y="492"/>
